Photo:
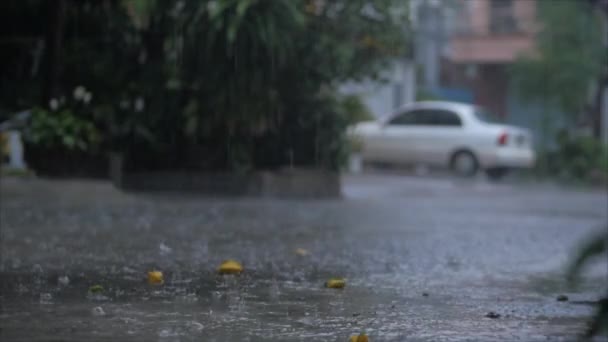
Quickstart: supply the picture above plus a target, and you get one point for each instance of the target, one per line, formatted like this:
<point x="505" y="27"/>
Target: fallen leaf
<point x="230" y="267"/>
<point x="359" y="338"/>
<point x="155" y="278"/>
<point x="301" y="252"/>
<point x="335" y="283"/>
<point x="96" y="289"/>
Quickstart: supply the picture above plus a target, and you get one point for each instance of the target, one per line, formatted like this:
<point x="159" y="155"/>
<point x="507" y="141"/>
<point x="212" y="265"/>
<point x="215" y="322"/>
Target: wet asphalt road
<point x="471" y="246"/>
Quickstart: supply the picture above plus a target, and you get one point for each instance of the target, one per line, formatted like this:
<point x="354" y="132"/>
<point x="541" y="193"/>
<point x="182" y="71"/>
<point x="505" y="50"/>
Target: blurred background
<point x="232" y="85"/>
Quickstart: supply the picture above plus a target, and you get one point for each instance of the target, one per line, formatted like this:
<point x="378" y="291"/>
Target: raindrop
<point x="98" y="311"/>
<point x="97" y="297"/>
<point x="37" y="269"/>
<point x="16" y="263"/>
<point x="274" y="291"/>
<point x="165" y="333"/>
<point x="63" y="281"/>
<point x="164" y="249"/>
<point x="21" y="289"/>
<point x="195" y="326"/>
<point x="216" y="295"/>
<point x="46" y="298"/>
<point x="127" y="269"/>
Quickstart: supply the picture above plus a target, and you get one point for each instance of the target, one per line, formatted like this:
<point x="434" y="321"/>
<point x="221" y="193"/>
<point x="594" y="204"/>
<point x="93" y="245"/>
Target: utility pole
<point x="409" y="60"/>
<point x="601" y="121"/>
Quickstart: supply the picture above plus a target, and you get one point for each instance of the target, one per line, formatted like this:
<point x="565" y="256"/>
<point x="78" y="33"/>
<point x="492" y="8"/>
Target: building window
<point x="502" y="17"/>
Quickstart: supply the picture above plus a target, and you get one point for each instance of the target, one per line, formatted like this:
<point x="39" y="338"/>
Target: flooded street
<point x="424" y="259"/>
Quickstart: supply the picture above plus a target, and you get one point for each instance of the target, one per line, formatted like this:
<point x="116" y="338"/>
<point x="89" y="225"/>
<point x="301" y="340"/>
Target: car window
<point x="407" y="118"/>
<point x="446" y="118"/>
<point x="413" y="117"/>
<point x="427" y="117"/>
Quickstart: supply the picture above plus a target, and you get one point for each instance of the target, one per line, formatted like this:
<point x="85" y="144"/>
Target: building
<point x="486" y="39"/>
<point x="415" y="73"/>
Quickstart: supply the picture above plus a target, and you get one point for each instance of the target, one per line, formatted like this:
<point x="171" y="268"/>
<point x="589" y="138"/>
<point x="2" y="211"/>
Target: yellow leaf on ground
<point x="301" y="252"/>
<point x="155" y="278"/>
<point x="335" y="283"/>
<point x="230" y="267"/>
<point x="359" y="338"/>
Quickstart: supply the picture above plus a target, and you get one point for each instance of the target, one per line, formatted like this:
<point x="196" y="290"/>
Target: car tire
<point x="497" y="173"/>
<point x="464" y="164"/>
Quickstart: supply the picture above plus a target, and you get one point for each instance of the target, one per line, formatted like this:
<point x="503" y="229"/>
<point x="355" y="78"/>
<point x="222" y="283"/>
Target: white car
<point x="459" y="136"/>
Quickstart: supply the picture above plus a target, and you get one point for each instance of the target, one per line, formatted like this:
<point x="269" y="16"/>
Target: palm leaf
<point x="595" y="246"/>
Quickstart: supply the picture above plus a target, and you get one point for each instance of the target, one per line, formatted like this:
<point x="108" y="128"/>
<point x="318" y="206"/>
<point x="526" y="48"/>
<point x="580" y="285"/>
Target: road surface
<point x="425" y="259"/>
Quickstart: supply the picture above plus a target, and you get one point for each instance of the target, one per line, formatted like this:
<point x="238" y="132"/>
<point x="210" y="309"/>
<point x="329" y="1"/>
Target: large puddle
<point x="427" y="268"/>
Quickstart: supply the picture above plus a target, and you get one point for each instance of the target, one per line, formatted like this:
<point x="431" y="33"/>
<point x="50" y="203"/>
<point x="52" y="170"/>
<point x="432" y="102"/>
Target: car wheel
<point x="464" y="164"/>
<point x="497" y="173"/>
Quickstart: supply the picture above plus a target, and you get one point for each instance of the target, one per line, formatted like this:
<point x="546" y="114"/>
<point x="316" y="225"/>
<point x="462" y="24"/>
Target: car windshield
<point x="485" y="116"/>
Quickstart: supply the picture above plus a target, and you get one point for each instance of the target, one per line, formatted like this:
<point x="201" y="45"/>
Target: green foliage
<point x="592" y="248"/>
<point x="577" y="158"/>
<point x="62" y="129"/>
<point x="595" y="246"/>
<point x="254" y="81"/>
<point x="355" y="110"/>
<point x="569" y="57"/>
<point x="242" y="83"/>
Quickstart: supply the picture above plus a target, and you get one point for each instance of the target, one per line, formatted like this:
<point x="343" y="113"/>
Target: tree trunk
<point x="54" y="42"/>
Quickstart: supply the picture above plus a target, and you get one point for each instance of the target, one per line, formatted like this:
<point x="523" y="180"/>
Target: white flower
<point x="53" y="104"/>
<point x="79" y="92"/>
<point x="87" y="97"/>
<point x="139" y="104"/>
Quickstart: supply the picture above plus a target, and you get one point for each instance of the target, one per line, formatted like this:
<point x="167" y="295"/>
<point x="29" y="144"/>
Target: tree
<point x="567" y="60"/>
<point x="242" y="83"/>
<point x="254" y="81"/>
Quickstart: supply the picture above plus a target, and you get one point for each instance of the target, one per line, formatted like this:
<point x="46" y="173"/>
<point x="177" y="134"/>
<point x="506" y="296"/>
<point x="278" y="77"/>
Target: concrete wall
<point x="290" y="183"/>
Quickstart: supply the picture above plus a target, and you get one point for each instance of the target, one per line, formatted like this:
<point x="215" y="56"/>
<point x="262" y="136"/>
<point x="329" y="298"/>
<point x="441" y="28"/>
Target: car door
<point x="400" y="137"/>
<point x="443" y="133"/>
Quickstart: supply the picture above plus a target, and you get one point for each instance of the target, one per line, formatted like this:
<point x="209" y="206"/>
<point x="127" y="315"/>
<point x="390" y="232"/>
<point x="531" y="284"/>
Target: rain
<point x="303" y="170"/>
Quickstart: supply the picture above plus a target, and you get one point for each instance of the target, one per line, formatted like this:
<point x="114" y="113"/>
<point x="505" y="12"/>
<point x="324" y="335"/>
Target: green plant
<point x="355" y="110"/>
<point x="594" y="247"/>
<point x="554" y="76"/>
<point x="62" y="130"/>
<point x="577" y="157"/>
<point x="355" y="144"/>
